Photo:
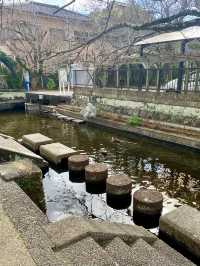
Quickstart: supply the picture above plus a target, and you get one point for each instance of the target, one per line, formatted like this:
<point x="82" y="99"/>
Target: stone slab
<point x="19" y="169"/>
<point x="56" y="152"/>
<point x="183" y="226"/>
<point x="34" y="141"/>
<point x="9" y="145"/>
<point x="78" y="121"/>
<point x="13" y="251"/>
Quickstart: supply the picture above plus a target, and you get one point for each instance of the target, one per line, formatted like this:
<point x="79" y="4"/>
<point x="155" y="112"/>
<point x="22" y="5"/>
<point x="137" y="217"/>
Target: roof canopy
<point x="191" y="33"/>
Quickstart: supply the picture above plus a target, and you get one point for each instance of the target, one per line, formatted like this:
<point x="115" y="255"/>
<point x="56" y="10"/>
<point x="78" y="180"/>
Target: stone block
<point x="19" y="169"/>
<point x="183" y="226"/>
<point x="56" y="152"/>
<point x="34" y="141"/>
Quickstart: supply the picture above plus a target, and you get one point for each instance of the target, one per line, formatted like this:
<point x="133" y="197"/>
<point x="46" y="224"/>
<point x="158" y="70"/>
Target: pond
<point x="172" y="170"/>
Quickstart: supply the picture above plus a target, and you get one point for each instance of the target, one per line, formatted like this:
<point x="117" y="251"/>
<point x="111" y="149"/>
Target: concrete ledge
<point x="183" y="226"/>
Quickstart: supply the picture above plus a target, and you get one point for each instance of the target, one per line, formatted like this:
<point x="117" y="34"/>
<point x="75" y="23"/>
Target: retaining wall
<point x="170" y="107"/>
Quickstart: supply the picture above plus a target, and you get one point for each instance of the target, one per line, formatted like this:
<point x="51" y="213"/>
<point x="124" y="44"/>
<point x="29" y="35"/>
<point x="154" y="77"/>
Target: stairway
<point x="84" y="242"/>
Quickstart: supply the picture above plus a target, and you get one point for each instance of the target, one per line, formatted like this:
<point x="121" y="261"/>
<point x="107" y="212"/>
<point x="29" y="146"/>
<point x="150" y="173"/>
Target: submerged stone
<point x="19" y="169"/>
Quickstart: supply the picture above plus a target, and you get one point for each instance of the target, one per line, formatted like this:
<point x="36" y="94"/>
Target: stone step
<point x="73" y="229"/>
<point x="106" y="231"/>
<point x="144" y="254"/>
<point x="121" y="252"/>
<point x="85" y="253"/>
<point x="67" y="231"/>
<point x="171" y="253"/>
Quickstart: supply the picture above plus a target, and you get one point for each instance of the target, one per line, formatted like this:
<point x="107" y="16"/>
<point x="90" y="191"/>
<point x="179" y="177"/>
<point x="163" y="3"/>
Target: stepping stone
<point x="183" y="226"/>
<point x="67" y="118"/>
<point x="56" y="152"/>
<point x="78" y="121"/>
<point x="34" y="141"/>
<point x="19" y="169"/>
<point x="118" y="189"/>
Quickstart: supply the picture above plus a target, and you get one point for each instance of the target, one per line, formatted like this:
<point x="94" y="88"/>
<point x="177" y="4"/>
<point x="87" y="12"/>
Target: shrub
<point x="51" y="84"/>
<point x="135" y="121"/>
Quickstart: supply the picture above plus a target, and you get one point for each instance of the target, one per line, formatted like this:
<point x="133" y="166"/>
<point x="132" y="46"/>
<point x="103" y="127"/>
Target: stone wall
<point x="170" y="107"/>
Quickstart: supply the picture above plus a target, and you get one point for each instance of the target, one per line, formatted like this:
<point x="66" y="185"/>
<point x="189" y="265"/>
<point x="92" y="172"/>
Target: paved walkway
<point x="13" y="251"/>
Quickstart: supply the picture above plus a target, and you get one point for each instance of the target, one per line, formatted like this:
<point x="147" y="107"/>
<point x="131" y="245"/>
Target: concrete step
<point x="171" y="253"/>
<point x="106" y="231"/>
<point x="144" y="254"/>
<point x="85" y="253"/>
<point x="67" y="231"/>
<point x="73" y="229"/>
<point x="121" y="252"/>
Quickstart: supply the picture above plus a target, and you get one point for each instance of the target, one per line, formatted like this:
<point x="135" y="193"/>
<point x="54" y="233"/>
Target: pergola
<point x="184" y="37"/>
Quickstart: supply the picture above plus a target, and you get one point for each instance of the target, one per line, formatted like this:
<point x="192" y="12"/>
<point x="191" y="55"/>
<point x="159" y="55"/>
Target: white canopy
<point x="185" y="34"/>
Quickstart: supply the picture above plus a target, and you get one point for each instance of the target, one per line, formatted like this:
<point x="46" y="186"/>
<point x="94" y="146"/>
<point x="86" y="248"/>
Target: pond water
<point x="172" y="170"/>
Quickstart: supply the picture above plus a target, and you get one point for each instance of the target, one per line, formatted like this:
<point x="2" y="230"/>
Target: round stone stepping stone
<point x="118" y="189"/>
<point x="147" y="207"/>
<point x="76" y="166"/>
<point x="95" y="177"/>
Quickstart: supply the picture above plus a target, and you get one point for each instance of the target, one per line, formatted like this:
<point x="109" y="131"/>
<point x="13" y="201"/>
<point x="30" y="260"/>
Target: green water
<point x="172" y="170"/>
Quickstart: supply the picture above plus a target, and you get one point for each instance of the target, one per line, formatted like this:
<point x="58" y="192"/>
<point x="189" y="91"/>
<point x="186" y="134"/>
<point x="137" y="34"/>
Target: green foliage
<point x="51" y="84"/>
<point x="135" y="121"/>
<point x="12" y="72"/>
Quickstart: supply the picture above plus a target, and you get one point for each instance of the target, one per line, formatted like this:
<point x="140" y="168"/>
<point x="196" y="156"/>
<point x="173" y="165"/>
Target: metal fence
<point x="138" y="78"/>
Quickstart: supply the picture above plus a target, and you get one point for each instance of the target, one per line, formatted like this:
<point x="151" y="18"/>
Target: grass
<point x="135" y="121"/>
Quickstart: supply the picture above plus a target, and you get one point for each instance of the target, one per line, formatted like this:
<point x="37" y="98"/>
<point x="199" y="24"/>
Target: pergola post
<point x="117" y="76"/>
<point x="141" y="68"/>
<point x="147" y="78"/>
<point x="128" y="76"/>
<point x="158" y="78"/>
<point x="197" y="78"/>
<point x="181" y="68"/>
